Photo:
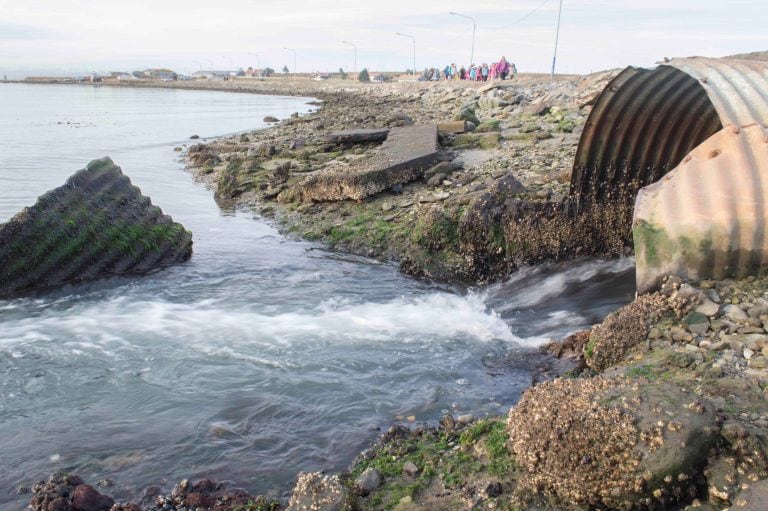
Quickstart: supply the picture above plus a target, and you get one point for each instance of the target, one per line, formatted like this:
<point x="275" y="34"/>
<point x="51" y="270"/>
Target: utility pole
<point x="557" y="37"/>
<point x="474" y="29"/>
<point x="414" y="50"/>
<point x="355" y="66"/>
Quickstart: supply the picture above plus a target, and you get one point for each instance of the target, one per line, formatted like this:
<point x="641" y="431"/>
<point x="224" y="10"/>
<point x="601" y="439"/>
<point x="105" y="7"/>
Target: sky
<point x="76" y="37"/>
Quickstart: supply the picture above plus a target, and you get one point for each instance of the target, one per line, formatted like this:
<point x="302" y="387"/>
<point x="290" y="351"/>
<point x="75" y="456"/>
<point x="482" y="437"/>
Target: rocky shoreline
<point x="666" y="406"/>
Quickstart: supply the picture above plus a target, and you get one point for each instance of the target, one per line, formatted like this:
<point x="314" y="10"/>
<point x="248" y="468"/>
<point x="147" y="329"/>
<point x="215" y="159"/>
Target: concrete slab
<point x="358" y="136"/>
<point x="402" y="158"/>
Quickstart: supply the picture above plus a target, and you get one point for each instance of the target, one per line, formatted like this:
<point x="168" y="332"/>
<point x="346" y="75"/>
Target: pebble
<point x="748" y="353"/>
<point x="708" y="308"/>
<point x="465" y="418"/>
<point x="735" y="314"/>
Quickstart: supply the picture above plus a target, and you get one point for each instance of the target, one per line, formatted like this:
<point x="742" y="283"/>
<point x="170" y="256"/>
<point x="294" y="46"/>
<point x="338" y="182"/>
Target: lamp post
<point x="557" y="37"/>
<point x="414" y="50"/>
<point x="258" y="63"/>
<point x="294" y="60"/>
<point x="474" y="29"/>
<point x="355" y="48"/>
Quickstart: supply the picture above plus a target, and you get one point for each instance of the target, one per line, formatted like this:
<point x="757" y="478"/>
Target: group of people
<point x="500" y="70"/>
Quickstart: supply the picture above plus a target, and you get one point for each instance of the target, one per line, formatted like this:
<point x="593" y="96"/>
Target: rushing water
<point x="260" y="357"/>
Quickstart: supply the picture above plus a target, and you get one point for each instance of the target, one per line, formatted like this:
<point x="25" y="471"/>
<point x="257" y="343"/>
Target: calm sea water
<point x="260" y="357"/>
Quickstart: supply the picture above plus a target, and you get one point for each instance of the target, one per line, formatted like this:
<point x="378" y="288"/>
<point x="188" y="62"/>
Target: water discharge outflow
<point x="260" y="357"/>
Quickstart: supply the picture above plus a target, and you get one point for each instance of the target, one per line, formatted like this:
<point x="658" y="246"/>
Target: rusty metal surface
<point x="708" y="218"/>
<point x="646" y="121"/>
<point x="738" y="89"/>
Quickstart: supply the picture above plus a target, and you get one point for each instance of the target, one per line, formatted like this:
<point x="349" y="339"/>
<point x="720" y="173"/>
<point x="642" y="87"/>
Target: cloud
<point x="188" y="34"/>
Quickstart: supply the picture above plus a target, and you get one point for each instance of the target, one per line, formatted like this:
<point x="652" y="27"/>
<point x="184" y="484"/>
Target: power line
<point x="526" y="16"/>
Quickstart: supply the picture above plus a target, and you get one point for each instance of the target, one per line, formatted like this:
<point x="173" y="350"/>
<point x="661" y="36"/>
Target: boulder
<point x="96" y="225"/>
<point x="368" y="481"/>
<point x="467" y="113"/>
<point x="270" y="118"/>
<point x="611" y="443"/>
<point x="86" y="498"/>
<point x="621" y="331"/>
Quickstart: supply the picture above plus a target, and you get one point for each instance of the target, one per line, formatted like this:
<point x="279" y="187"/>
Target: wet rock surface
<point x="96" y="225"/>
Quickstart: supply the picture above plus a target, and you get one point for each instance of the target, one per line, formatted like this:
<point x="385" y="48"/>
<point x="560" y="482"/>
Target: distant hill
<point x="755" y="55"/>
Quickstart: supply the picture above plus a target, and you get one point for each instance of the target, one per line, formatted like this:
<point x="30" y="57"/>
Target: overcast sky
<point x="79" y="36"/>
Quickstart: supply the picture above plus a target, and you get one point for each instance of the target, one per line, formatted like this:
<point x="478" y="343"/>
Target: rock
<point x="194" y="137"/>
<point x="465" y="418"/>
<point x="410" y="469"/>
<point x="530" y="128"/>
<point x="708" y="308"/>
<point x="758" y="362"/>
<point x="735" y="314"/>
<point x="445" y="168"/>
<point x="622" y="330"/>
<point x="436" y="180"/>
<point x="400" y="119"/>
<point x="753" y="498"/>
<point x="368" y="481"/>
<point x="696" y="323"/>
<point x="86" y="498"/>
<point x="467" y="113"/>
<point x="318" y="492"/>
<point x="96" y="225"/>
<point x="386" y="206"/>
<point x="270" y="118"/>
<point x="488" y="125"/>
<point x="617" y="442"/>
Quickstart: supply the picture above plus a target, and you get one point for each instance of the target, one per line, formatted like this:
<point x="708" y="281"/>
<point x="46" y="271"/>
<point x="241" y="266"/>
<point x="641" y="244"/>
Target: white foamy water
<point x="261" y="356"/>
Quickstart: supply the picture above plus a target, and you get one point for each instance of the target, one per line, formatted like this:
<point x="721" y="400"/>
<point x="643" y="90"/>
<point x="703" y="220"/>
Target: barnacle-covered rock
<point x="623" y="444"/>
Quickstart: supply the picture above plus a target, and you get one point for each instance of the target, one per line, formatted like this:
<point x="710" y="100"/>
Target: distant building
<point x="160" y="74"/>
<point x="212" y="75"/>
<point x="121" y="75"/>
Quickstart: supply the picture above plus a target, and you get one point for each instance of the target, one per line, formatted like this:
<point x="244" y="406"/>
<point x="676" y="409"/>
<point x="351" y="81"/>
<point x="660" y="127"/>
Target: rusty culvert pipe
<point x="692" y="137"/>
<point x="641" y="127"/>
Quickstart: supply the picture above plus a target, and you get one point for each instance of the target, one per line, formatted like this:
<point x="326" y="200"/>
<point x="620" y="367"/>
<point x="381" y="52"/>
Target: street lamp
<point x="355" y="48"/>
<point x="414" y="50"/>
<point x="258" y="63"/>
<point x="474" y="29"/>
<point x="294" y="60"/>
<point x="557" y="36"/>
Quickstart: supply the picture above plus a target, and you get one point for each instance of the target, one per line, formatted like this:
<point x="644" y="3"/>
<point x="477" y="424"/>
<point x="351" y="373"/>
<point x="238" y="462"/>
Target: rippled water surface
<point x="260" y="357"/>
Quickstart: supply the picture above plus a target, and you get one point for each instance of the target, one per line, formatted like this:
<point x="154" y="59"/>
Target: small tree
<point x="268" y="72"/>
<point x="342" y="74"/>
<point x="363" y="76"/>
<point x="285" y="69"/>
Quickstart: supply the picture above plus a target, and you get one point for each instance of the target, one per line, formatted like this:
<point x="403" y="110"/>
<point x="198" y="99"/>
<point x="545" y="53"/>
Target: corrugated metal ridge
<point x="738" y="89"/>
<point x="642" y="125"/>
